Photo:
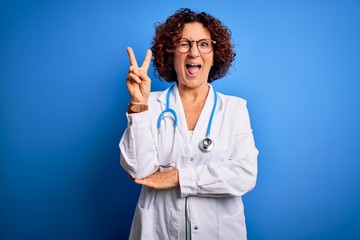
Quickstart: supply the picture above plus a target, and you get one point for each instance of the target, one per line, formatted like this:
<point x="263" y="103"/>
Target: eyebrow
<point x="195" y="40"/>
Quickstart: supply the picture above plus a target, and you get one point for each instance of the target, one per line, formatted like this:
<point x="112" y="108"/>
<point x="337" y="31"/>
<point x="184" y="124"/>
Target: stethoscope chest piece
<point x="206" y="145"/>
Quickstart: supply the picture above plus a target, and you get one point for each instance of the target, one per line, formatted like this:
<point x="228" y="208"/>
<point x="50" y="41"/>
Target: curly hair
<point x="169" y="33"/>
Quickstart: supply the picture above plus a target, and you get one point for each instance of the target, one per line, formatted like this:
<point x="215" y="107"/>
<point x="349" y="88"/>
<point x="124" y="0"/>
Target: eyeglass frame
<point x="191" y="45"/>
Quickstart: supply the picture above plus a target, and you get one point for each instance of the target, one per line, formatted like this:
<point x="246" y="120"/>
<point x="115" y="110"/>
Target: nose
<point x="194" y="51"/>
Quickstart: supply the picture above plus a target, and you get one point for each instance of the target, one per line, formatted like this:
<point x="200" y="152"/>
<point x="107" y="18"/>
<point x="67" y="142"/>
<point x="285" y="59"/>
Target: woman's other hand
<point x="161" y="180"/>
<point x="137" y="80"/>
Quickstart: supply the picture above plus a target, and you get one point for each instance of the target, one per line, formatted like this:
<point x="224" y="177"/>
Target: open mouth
<point x="193" y="69"/>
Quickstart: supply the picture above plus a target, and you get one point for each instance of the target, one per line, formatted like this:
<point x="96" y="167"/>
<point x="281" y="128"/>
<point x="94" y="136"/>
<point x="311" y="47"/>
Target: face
<point x="193" y="68"/>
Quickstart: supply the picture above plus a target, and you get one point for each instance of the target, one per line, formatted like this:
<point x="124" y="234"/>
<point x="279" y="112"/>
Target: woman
<point x="198" y="158"/>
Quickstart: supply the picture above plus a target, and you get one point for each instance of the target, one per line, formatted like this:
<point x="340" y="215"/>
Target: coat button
<point x="196" y="227"/>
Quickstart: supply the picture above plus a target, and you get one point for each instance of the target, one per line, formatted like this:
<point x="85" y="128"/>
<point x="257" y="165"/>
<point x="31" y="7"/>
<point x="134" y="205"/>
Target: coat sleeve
<point x="233" y="176"/>
<point x="138" y="155"/>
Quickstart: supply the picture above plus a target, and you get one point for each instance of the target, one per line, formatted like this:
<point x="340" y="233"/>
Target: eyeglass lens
<point x="203" y="45"/>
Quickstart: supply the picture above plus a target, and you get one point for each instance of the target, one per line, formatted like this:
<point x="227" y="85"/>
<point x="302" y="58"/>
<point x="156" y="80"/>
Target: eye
<point x="184" y="44"/>
<point x="204" y="43"/>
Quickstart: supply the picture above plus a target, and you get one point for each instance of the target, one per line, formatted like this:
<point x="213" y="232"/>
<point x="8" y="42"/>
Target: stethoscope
<point x="205" y="145"/>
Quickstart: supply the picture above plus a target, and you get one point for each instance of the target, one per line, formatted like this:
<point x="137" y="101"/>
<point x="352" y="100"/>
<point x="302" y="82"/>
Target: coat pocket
<point x="144" y="224"/>
<point x="232" y="227"/>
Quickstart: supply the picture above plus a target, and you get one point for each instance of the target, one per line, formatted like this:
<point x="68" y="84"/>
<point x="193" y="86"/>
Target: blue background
<point x="63" y="101"/>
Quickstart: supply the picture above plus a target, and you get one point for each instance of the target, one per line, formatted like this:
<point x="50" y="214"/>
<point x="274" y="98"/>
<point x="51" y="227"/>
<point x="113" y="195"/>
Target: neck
<point x="193" y="100"/>
<point x="193" y="94"/>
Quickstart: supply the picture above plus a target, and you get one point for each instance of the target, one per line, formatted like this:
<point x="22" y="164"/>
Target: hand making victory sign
<point x="137" y="81"/>
<point x="138" y="84"/>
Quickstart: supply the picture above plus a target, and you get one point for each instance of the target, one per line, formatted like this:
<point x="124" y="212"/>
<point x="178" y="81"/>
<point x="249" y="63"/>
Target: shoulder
<point x="231" y="102"/>
<point x="235" y="110"/>
<point x="155" y="94"/>
<point x="157" y="98"/>
<point x="154" y="98"/>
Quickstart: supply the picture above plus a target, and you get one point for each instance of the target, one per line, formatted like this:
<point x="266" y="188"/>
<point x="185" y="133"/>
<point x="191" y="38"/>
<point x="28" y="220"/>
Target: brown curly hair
<point x="169" y="33"/>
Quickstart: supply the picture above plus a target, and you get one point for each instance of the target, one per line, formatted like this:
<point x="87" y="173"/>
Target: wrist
<point x="137" y="107"/>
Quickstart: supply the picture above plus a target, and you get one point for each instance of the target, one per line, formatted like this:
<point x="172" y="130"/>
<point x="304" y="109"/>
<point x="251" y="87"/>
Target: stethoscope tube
<point x="208" y="130"/>
<point x="168" y="109"/>
<point x="206" y="144"/>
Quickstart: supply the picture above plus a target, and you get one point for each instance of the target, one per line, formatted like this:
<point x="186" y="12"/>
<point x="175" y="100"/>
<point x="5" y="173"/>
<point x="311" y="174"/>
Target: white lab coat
<point x="212" y="183"/>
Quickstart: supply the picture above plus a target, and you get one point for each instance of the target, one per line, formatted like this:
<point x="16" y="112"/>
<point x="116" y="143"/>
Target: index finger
<point x="132" y="57"/>
<point x="147" y="60"/>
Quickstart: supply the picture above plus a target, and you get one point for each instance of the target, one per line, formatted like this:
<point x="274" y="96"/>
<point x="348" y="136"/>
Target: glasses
<point x="204" y="45"/>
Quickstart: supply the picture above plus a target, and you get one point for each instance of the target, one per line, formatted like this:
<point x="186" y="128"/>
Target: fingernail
<point x="136" y="71"/>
